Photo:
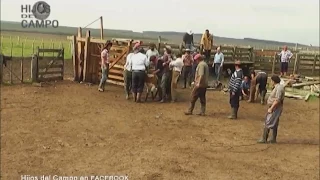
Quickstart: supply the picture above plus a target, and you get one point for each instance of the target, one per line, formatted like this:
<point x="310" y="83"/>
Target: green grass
<point x="26" y="44"/>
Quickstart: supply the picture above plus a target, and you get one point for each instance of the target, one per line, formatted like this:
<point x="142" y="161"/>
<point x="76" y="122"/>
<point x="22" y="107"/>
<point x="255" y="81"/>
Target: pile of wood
<point x="302" y="87"/>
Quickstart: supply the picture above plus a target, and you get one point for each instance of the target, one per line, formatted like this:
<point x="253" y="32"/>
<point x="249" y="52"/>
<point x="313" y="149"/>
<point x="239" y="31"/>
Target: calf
<point x="151" y="85"/>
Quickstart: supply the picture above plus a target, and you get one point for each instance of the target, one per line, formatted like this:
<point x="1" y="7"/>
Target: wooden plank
<point x="120" y="78"/>
<point x="295" y="67"/>
<point x="21" y="63"/>
<point x="49" y="50"/>
<point x="50" y="72"/>
<point x="34" y="69"/>
<point x="115" y="71"/>
<point x="2" y="60"/>
<point x="86" y="62"/>
<point x="118" y="59"/>
<point x="75" y="59"/>
<point x="305" y="84"/>
<point x="118" y="66"/>
<point x="115" y="82"/>
<point x="48" y="79"/>
<point x="314" y="64"/>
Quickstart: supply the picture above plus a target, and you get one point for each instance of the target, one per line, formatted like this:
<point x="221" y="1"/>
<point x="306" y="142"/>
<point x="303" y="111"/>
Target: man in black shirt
<point x="188" y="40"/>
<point x="159" y="72"/>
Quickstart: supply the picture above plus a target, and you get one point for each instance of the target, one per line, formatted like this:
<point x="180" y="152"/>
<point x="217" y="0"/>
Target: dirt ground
<point x="66" y="129"/>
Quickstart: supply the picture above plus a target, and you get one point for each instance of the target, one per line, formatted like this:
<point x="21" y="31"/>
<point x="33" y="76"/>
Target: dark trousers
<point x="200" y="93"/>
<point x="284" y="67"/>
<point x="138" y="79"/>
<point x="165" y="81"/>
<point x="187" y="75"/>
<point x="159" y="86"/>
<point x="234" y="99"/>
<point x="127" y="76"/>
<point x="207" y="54"/>
<point x="262" y="80"/>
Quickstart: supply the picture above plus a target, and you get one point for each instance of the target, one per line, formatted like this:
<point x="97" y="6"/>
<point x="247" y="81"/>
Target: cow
<point x="151" y="85"/>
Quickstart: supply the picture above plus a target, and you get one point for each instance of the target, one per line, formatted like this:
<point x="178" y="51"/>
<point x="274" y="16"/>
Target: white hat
<point x="190" y="32"/>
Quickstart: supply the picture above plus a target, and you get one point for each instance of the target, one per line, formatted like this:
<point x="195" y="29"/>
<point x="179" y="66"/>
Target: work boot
<point x="262" y="97"/>
<point x="264" y="136"/>
<point x="190" y="110"/>
<point x="233" y="114"/>
<point x="203" y="110"/>
<point x="274" y="135"/>
<point x="236" y="112"/>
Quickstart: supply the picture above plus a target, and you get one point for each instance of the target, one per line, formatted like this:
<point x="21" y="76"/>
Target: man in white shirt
<point x="218" y="63"/>
<point x="286" y="55"/>
<point x="139" y="64"/>
<point x="176" y="66"/>
<point x="127" y="76"/>
<point x="152" y="51"/>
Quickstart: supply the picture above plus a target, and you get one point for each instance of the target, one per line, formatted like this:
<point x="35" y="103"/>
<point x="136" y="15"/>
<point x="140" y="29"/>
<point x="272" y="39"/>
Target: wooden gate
<point x="45" y="68"/>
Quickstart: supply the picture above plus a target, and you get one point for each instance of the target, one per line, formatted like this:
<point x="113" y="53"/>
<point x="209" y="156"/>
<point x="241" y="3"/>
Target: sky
<point x="281" y="20"/>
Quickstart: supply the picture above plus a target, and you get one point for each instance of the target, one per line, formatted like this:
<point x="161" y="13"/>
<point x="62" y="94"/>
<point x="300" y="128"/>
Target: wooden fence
<point x="300" y="63"/>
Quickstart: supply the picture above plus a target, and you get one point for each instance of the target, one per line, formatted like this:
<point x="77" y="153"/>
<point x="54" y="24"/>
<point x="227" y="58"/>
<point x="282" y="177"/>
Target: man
<point x="200" y="87"/>
<point x="188" y="40"/>
<point x="176" y="71"/>
<point x="152" y="51"/>
<point x="187" y="69"/>
<point x="218" y="63"/>
<point x="159" y="72"/>
<point x="235" y="89"/>
<point x="166" y="75"/>
<point x="275" y="103"/>
<point x="260" y="78"/>
<point x="245" y="86"/>
<point x="139" y="63"/>
<point x="286" y="55"/>
<point x="127" y="76"/>
<point x="207" y="44"/>
<point x="104" y="65"/>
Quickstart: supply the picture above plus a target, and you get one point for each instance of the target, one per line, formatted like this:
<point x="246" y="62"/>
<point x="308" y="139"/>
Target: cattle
<point x="151" y="85"/>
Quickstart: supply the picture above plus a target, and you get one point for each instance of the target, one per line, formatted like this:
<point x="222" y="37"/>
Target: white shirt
<point x="150" y="53"/>
<point x="139" y="62"/>
<point x="177" y="64"/>
<point x="105" y="56"/>
<point x="127" y="65"/>
<point x="285" y="55"/>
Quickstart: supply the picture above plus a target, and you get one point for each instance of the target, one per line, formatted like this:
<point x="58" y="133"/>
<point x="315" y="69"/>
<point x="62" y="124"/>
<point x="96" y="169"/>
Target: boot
<point x="203" y="110"/>
<point x="264" y="136"/>
<point x="236" y="112"/>
<point x="190" y="110"/>
<point x="274" y="135"/>
<point x="138" y="98"/>
<point x="233" y="114"/>
<point x="262" y="97"/>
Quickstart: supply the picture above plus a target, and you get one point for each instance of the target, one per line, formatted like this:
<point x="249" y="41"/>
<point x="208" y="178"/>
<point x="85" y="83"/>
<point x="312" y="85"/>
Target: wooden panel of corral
<point x="304" y="64"/>
<point x="89" y="69"/>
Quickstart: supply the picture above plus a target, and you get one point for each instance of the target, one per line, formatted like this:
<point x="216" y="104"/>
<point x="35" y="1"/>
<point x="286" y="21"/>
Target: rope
<point x="92" y="22"/>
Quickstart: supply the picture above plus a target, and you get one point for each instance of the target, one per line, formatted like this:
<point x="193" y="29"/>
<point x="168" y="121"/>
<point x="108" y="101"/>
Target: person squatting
<point x="192" y="66"/>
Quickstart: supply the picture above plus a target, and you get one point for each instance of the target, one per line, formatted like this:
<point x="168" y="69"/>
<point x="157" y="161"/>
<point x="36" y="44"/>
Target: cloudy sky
<point x="281" y="20"/>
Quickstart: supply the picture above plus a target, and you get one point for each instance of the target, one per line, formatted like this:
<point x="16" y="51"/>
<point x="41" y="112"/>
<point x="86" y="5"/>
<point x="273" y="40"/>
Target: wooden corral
<point x="269" y="61"/>
<point x="87" y="59"/>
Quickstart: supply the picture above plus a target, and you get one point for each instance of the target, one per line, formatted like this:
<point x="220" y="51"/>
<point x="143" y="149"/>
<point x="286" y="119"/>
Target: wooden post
<point x="42" y="48"/>
<point x="80" y="57"/>
<point x="34" y="68"/>
<point x="159" y="43"/>
<point x="21" y="64"/>
<point x="274" y="63"/>
<point x="86" y="58"/>
<point x="10" y="67"/>
<point x="62" y="58"/>
<point x="295" y="66"/>
<point x="1" y="67"/>
<point x="314" y="64"/>
<point x="75" y="59"/>
<point x="101" y="27"/>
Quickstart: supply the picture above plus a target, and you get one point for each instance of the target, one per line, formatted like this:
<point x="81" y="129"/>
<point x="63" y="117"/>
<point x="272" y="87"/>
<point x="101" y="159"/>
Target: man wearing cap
<point x="152" y="51"/>
<point x="104" y="65"/>
<point x="200" y="87"/>
<point x="187" y="68"/>
<point x="235" y="89"/>
<point x="188" y="40"/>
<point x="275" y="104"/>
<point x="218" y="63"/>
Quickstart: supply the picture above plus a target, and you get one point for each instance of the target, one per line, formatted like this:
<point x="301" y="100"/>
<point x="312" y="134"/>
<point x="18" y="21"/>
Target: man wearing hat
<point x="152" y="51"/>
<point x="200" y="86"/>
<point x="187" y="67"/>
<point x="104" y="65"/>
<point x="275" y="103"/>
<point x="235" y="89"/>
<point x="188" y="40"/>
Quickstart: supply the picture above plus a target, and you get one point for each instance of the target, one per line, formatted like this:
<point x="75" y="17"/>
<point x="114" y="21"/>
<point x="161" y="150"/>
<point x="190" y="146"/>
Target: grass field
<point x="26" y="44"/>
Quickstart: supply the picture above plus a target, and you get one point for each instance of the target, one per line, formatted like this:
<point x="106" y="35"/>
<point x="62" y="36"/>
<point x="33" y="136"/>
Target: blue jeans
<point x="217" y="70"/>
<point x="104" y="76"/>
